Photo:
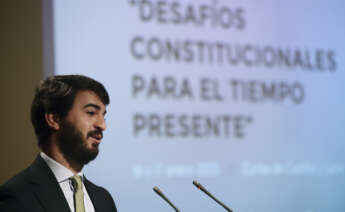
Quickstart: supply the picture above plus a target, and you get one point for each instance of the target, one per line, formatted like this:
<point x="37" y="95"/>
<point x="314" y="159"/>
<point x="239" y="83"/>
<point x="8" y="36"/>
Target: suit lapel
<point x="92" y="191"/>
<point x="47" y="189"/>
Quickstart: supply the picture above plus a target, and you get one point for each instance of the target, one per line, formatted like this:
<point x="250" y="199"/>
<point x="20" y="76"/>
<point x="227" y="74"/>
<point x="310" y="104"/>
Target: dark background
<point x="21" y="69"/>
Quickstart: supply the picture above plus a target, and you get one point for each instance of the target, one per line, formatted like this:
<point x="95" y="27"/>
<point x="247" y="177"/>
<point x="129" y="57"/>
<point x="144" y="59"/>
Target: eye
<point x="90" y="113"/>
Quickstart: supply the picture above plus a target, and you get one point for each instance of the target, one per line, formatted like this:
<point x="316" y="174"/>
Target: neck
<point x="53" y="151"/>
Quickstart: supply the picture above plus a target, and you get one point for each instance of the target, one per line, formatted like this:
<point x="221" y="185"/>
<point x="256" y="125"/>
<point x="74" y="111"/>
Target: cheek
<point x="83" y="129"/>
<point x="83" y="124"/>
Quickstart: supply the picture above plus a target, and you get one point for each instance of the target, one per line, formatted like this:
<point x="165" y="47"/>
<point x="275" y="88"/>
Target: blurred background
<point x="21" y="68"/>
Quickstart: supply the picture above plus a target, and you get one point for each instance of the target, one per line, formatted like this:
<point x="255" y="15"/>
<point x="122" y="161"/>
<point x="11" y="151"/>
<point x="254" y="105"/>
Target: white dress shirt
<point x="62" y="175"/>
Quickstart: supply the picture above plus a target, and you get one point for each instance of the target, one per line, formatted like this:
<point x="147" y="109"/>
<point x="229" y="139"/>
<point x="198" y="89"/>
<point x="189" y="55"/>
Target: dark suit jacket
<point x="36" y="190"/>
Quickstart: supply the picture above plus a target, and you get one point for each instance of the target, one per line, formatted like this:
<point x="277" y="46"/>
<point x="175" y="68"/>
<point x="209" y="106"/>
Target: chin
<point x="94" y="150"/>
<point x="88" y="155"/>
<point x="91" y="147"/>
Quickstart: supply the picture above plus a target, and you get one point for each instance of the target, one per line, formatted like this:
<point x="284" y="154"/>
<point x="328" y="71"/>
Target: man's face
<point x="82" y="128"/>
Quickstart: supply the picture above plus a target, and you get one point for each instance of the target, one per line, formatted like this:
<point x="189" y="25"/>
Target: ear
<point x="52" y="120"/>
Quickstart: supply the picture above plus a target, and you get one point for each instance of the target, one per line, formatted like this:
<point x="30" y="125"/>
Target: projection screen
<point x="246" y="97"/>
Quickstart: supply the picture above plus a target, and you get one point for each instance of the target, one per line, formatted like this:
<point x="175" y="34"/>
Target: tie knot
<point x="77" y="182"/>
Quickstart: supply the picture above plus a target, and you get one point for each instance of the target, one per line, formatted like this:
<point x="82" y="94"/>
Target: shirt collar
<point x="61" y="173"/>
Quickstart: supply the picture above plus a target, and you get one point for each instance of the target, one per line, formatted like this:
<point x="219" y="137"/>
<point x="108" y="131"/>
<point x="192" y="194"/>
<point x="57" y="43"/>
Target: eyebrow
<point x="94" y="106"/>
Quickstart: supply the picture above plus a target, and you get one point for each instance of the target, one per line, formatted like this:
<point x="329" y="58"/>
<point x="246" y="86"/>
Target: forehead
<point x="83" y="98"/>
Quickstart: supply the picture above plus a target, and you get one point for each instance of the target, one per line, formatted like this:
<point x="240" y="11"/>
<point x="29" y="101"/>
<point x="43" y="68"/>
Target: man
<point x="67" y="114"/>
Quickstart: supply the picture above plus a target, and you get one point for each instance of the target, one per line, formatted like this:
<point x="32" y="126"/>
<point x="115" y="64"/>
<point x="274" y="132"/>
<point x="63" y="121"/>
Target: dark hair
<point x="56" y="95"/>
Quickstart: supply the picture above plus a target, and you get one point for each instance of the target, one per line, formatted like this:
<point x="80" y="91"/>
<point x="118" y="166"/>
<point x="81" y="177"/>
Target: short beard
<point x="73" y="146"/>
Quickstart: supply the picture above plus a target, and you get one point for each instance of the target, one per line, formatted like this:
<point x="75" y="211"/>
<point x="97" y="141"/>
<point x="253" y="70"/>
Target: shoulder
<point x="18" y="183"/>
<point x="24" y="179"/>
<point x="14" y="192"/>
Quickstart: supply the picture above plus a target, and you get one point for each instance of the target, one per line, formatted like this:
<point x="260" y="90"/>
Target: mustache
<point x="95" y="132"/>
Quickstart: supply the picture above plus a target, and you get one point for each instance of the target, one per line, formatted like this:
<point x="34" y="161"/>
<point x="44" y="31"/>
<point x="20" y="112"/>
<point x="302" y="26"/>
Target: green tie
<point x="78" y="193"/>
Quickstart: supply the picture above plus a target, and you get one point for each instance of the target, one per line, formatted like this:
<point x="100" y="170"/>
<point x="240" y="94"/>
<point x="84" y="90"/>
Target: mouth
<point x="96" y="137"/>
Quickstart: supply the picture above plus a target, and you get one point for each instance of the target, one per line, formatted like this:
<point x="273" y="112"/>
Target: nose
<point x="100" y="124"/>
